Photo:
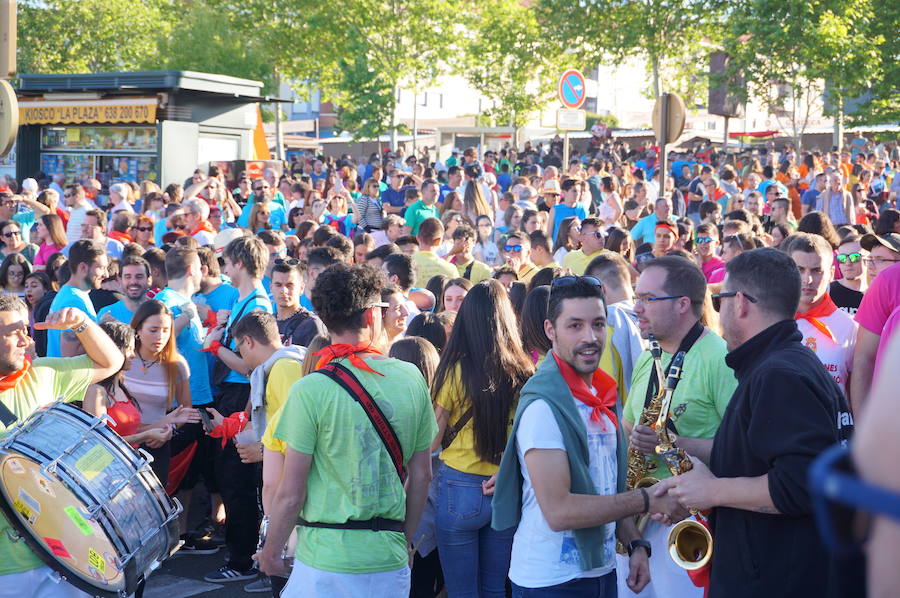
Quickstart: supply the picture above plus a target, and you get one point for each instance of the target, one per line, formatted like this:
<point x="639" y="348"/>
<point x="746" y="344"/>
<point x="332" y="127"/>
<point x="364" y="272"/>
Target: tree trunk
<point x="394" y="92"/>
<point x="279" y="134"/>
<point x="655" y="66"/>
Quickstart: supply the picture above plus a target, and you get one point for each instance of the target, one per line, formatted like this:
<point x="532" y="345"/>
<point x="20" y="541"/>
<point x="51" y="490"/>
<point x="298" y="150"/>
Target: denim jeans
<point x="474" y="557"/>
<point x="582" y="587"/>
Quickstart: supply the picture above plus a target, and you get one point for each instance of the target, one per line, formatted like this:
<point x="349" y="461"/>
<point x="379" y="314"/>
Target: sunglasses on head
<point x="290" y="261"/>
<point x="180" y="226"/>
<point x="567" y="281"/>
<point x="849" y="257"/>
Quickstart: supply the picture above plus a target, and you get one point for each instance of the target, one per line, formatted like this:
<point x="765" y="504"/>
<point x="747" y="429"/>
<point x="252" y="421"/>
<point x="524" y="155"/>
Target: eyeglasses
<point x="512" y="248"/>
<point x="12" y="233"/>
<point x="180" y="226"/>
<point x="567" y="281"/>
<point x="717" y="298"/>
<point x="290" y="261"/>
<point x="849" y="257"/>
<point x="145" y="229"/>
<point x="878" y="261"/>
<point x="705" y="239"/>
<point x="645" y="298"/>
<point x="68" y="195"/>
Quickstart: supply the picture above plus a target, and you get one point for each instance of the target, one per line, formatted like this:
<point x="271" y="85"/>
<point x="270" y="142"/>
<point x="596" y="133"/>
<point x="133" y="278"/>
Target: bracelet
<point x="214" y="347"/>
<point x="646" y="500"/>
<point x="81" y="328"/>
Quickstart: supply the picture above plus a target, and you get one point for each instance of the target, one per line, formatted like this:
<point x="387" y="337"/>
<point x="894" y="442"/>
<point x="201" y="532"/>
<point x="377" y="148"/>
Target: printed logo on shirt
<point x="810" y="342"/>
<point x="850" y="310"/>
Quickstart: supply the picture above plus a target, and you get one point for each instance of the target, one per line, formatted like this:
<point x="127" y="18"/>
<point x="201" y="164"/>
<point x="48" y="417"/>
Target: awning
<point x="756" y="134"/>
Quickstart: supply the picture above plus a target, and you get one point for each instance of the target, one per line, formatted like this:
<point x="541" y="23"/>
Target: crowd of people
<point x="491" y="315"/>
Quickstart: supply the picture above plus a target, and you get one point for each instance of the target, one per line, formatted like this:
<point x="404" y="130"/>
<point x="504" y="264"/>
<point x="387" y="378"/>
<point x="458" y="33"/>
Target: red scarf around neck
<point x="603" y="402"/>
<point x="204" y="225"/>
<point x="825" y="308"/>
<point x="351" y="352"/>
<point x="13" y="379"/>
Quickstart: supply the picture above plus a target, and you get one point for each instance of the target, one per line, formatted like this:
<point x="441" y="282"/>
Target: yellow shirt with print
<point x="578" y="262"/>
<point x="281" y="378"/>
<point x="461" y="454"/>
<point x="428" y="264"/>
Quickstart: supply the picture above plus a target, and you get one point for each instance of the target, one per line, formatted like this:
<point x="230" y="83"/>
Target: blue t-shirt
<point x="277" y="216"/>
<point x="504" y="180"/>
<point x="159" y="230"/>
<point x="118" y="310"/>
<point x="306" y="303"/>
<point x="394" y="197"/>
<point x="255" y="300"/>
<point x="809" y="197"/>
<point x="562" y="211"/>
<point x="189" y="343"/>
<point x="68" y="296"/>
<point x="25" y="218"/>
<point x="222" y="297"/>
<point x="645" y="230"/>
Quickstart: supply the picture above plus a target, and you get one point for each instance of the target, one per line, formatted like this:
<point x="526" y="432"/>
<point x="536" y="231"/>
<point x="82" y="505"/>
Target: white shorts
<point x="40" y="583"/>
<point x="306" y="582"/>
<point x="667" y="580"/>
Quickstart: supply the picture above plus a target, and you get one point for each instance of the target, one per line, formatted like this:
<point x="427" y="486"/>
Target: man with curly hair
<point x="340" y="480"/>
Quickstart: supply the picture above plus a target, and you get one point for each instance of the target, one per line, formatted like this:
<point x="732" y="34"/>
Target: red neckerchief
<point x="230" y="427"/>
<point x="13" y="379"/>
<point x="204" y="225"/>
<point x="120" y="237"/>
<point x="825" y="308"/>
<point x="603" y="402"/>
<point x="349" y="351"/>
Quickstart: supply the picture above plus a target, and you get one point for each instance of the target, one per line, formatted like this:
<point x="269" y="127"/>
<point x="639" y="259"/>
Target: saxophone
<point x="640" y="465"/>
<point x="690" y="543"/>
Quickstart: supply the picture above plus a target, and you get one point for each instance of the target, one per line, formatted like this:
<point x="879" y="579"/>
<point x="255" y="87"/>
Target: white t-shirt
<point x="204" y="237"/>
<point x="542" y="557"/>
<point x="836" y="357"/>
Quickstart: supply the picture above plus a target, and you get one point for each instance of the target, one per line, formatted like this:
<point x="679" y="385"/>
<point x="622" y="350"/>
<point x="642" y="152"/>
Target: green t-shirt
<point x="701" y="396"/>
<point x="352" y="476"/>
<point x="48" y="379"/>
<point x="418" y="213"/>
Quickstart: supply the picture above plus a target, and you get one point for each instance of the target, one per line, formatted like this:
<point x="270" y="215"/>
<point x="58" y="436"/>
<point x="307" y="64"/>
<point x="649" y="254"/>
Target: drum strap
<point x="6" y="416"/>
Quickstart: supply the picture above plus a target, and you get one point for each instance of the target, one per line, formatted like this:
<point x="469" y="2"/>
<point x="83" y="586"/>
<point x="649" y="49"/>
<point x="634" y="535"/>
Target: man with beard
<point x="87" y="263"/>
<point x="668" y="303"/>
<point x="25" y="387"/>
<point x="785" y="410"/>
<point x="562" y="476"/>
<point x="296" y="324"/>
<point x="134" y="276"/>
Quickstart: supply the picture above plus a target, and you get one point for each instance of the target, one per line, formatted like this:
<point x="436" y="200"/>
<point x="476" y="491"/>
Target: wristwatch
<point x="634" y="544"/>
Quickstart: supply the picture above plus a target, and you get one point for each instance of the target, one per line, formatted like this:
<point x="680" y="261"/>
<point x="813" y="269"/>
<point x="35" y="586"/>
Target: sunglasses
<point x="145" y="229"/>
<point x="717" y="298"/>
<point x="290" y="261"/>
<point x="705" y="239"/>
<point x="514" y="248"/>
<point x="567" y="281"/>
<point x="180" y="226"/>
<point x="849" y="257"/>
<point x="12" y="234"/>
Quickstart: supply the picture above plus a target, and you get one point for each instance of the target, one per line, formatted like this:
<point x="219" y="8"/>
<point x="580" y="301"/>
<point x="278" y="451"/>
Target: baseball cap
<point x="889" y="240"/>
<point x="226" y="236"/>
<point x="552" y="186"/>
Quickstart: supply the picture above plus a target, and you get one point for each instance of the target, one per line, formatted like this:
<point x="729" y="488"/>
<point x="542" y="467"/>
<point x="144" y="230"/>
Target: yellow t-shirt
<point x="428" y="264"/>
<point x="281" y="378"/>
<point x="480" y="271"/>
<point x="578" y="262"/>
<point x="461" y="454"/>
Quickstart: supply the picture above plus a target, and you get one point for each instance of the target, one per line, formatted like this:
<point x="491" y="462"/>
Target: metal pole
<point x="663" y="156"/>
<point x="279" y="134"/>
<point x="565" y="165"/>
<point x="725" y="139"/>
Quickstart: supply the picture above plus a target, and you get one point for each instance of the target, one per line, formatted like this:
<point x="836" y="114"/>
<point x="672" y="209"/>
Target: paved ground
<point x="182" y="576"/>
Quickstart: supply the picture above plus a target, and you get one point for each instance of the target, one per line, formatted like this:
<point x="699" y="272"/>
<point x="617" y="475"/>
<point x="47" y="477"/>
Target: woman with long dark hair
<point x="52" y="236"/>
<point x="159" y="375"/>
<point x="13" y="270"/>
<point x="476" y="388"/>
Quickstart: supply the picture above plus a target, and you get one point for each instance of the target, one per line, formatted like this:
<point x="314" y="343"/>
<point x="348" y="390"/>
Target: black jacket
<point x="785" y="410"/>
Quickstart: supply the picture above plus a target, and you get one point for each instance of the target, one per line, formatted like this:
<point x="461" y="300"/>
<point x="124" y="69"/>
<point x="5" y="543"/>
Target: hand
<point x="214" y="334"/>
<point x="189" y="310"/>
<point x="184" y="415"/>
<point x="487" y="486"/>
<point x="64" y="319"/>
<point x="643" y="438"/>
<point x="249" y="452"/>
<point x="638" y="570"/>
<point x="156" y="437"/>
<point x="203" y="312"/>
<point x="216" y="417"/>
<point x="222" y="316"/>
<point x="272" y="565"/>
<point x="666" y="508"/>
<point x="694" y="489"/>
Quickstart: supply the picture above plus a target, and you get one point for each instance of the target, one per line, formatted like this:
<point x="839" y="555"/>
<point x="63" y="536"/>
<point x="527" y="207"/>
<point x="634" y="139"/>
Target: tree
<point x="672" y="35"/>
<point x="84" y="36"/>
<point x="508" y="60"/>
<point x="354" y="52"/>
<point x="881" y="92"/>
<point x="788" y="51"/>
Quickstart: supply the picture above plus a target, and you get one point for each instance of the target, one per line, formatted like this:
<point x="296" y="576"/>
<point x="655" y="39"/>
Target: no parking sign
<point x="572" y="90"/>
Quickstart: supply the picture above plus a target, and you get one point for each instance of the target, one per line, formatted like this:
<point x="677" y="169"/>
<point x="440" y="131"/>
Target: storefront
<point x="157" y="126"/>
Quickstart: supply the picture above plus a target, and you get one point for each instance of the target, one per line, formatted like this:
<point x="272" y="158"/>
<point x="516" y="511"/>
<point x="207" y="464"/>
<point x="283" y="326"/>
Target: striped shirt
<point x="371" y="215"/>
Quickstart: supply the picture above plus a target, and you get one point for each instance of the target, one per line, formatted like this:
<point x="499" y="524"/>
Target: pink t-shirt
<point x="878" y="312"/>
<point x="44" y="252"/>
<point x="714" y="270"/>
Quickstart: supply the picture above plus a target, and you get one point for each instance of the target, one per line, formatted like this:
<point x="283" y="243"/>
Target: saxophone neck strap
<point x="674" y="375"/>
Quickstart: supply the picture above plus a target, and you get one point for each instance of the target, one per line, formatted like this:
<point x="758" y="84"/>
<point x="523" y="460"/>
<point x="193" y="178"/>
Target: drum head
<point x="53" y="522"/>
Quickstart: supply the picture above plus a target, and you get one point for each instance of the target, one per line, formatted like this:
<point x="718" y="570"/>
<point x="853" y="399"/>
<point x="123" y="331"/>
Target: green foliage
<point x="592" y="118"/>
<point x="883" y="85"/>
<point x="83" y="36"/>
<point x="672" y="35"/>
<point x="509" y="60"/>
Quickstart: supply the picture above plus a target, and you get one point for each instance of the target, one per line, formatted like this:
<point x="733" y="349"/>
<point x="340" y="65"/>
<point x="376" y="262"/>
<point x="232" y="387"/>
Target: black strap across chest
<point x="687" y="342"/>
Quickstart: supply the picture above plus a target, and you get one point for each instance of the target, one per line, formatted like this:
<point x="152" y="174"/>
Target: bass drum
<point x="85" y="501"/>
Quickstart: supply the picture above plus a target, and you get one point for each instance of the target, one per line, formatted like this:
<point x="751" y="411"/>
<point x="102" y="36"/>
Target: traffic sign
<point x="669" y="114"/>
<point x="9" y="117"/>
<point x="572" y="89"/>
<point x="571" y="120"/>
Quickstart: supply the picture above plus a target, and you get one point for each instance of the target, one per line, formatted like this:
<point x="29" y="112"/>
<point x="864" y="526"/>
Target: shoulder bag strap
<point x="468" y="273"/>
<point x="346" y="380"/>
<point x="226" y="338"/>
<point x="451" y="432"/>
